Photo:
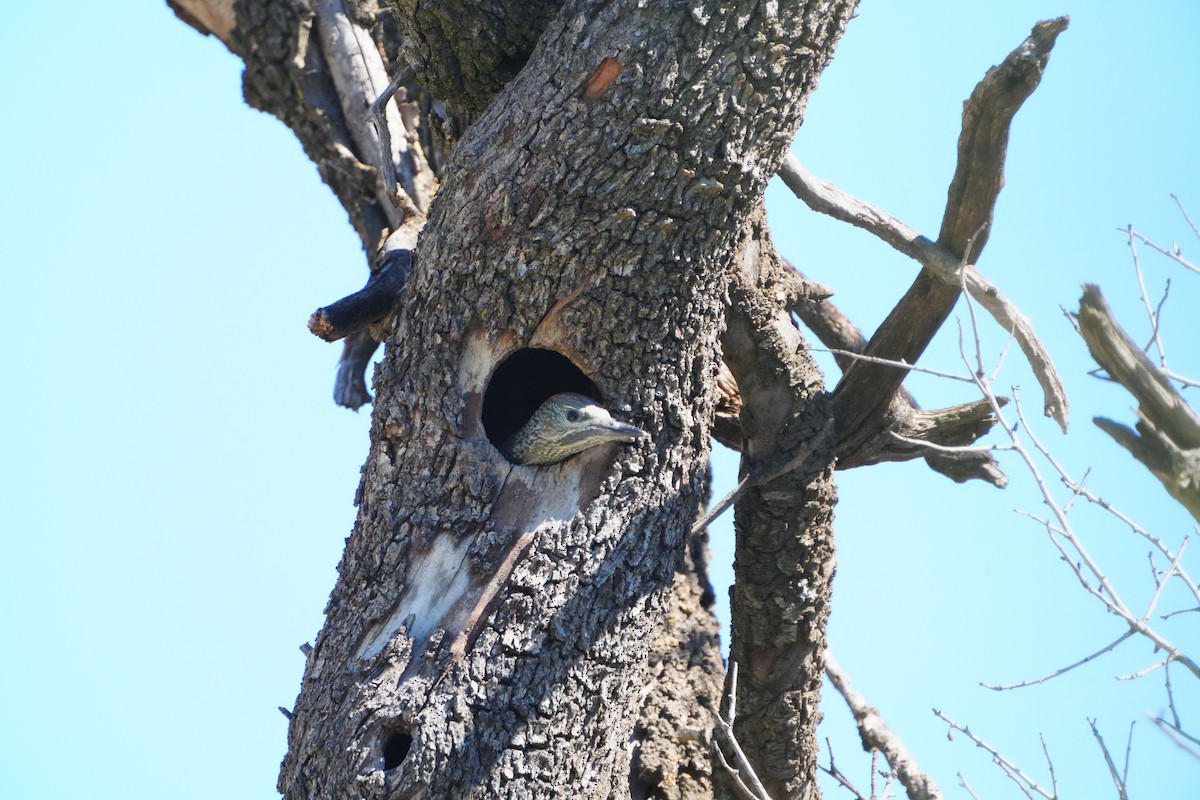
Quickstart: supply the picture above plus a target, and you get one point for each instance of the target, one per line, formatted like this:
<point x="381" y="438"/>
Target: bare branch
<point x="1183" y="211"/>
<point x="910" y="326"/>
<point x="877" y="736"/>
<point x="1171" y="254"/>
<point x="1106" y="649"/>
<point x="721" y="505"/>
<point x="827" y="198"/>
<point x="350" y="383"/>
<point x="1079" y="557"/>
<point x="751" y="787"/>
<point x="358" y="72"/>
<point x="891" y="362"/>
<point x="839" y="776"/>
<point x="1022" y="780"/>
<point x="1141" y="673"/>
<point x="1049" y="765"/>
<point x="940" y="448"/>
<point x="951" y="426"/>
<point x="1150" y="312"/>
<point x="1167" y="439"/>
<point x="1180" y="738"/>
<point x="1117" y="778"/>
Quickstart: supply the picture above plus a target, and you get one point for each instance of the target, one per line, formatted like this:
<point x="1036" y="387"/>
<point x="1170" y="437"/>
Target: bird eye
<point x="572" y="416"/>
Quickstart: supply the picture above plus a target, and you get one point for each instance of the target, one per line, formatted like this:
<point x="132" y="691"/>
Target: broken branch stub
<point x="1167" y="435"/>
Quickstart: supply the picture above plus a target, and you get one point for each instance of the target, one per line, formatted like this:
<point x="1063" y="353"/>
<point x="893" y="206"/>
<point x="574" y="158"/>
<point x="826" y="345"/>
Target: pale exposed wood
<point x="360" y="76"/>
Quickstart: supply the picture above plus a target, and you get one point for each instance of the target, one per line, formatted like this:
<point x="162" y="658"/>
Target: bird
<point x="565" y="424"/>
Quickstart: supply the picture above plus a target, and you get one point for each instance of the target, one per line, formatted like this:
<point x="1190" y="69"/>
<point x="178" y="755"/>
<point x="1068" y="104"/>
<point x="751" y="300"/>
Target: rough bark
<point x="464" y="51"/>
<point x="784" y="553"/>
<point x="670" y="760"/>
<point x="493" y="628"/>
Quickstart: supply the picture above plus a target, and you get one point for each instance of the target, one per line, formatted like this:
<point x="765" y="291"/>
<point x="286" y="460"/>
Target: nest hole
<point x="522" y="382"/>
<point x="395" y="747"/>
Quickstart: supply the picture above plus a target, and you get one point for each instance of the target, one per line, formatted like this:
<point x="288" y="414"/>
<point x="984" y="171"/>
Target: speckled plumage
<point x="562" y="426"/>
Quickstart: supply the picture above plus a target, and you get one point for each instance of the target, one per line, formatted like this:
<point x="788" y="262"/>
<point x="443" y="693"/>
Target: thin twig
<point x="378" y="115"/>
<point x="1011" y="769"/>
<point x="1107" y="648"/>
<point x="888" y="362"/>
<point x="839" y="776"/>
<point x="1128" y="752"/>
<point x="1175" y="376"/>
<point x="1183" y="211"/>
<point x="962" y="779"/>
<point x="751" y="786"/>
<point x="1049" y="765"/>
<point x="1141" y="673"/>
<point x="1177" y="736"/>
<point x="724" y="503"/>
<point x="979" y="370"/>
<point x="1112" y="768"/>
<point x="1166" y="576"/>
<point x="1171" y="696"/>
<point x="1141" y="279"/>
<point x="1173" y="255"/>
<point x="946" y="448"/>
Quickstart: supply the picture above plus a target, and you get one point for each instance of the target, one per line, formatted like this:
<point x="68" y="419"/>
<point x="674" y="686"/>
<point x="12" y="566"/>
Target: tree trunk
<point x="516" y="631"/>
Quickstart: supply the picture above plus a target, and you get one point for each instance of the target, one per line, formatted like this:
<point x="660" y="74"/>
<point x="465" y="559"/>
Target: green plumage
<point x="562" y="426"/>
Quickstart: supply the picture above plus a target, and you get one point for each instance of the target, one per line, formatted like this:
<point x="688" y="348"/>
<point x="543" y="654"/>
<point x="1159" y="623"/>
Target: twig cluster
<point x="1166" y="567"/>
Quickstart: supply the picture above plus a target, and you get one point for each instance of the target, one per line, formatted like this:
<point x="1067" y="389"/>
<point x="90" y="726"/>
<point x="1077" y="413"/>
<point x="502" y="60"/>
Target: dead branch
<point x="877" y="736"/>
<point x="1120" y="779"/>
<point x="906" y="418"/>
<point x="1008" y="767"/>
<point x="361" y="78"/>
<point x="744" y="779"/>
<point x="865" y="390"/>
<point x="369" y="304"/>
<point x="350" y="383"/>
<point x="1167" y="436"/>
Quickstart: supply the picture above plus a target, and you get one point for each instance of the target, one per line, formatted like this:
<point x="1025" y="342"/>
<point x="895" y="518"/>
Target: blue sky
<point x="178" y="485"/>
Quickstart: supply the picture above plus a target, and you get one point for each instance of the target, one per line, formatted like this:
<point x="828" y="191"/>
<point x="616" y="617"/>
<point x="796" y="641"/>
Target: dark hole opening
<point x="522" y="382"/>
<point x="395" y="748"/>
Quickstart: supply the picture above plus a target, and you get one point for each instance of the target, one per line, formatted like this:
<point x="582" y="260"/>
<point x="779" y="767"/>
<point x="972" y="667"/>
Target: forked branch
<point x="866" y="389"/>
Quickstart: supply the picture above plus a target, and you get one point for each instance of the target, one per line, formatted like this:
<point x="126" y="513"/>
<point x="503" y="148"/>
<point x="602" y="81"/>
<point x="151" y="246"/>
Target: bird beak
<point x="621" y="432"/>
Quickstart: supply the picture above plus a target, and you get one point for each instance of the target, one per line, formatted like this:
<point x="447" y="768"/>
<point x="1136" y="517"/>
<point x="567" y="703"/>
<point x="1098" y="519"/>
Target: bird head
<point x="563" y="425"/>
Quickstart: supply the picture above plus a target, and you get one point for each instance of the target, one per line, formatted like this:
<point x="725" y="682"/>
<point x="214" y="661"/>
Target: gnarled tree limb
<point x="863" y="394"/>
<point x="1167" y="435"/>
<point x="955" y="426"/>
